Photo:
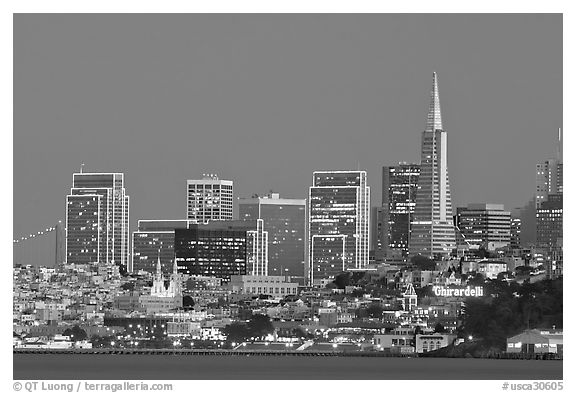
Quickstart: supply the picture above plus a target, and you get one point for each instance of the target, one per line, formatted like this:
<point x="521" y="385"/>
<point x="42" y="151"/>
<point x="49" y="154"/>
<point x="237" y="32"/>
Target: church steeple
<point x="434" y="121"/>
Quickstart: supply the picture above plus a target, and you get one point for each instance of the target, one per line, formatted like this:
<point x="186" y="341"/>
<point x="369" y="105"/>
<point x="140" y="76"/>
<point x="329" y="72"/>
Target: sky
<point x="266" y="99"/>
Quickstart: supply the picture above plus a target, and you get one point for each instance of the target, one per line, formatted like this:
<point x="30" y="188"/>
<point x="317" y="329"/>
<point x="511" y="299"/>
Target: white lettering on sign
<point x="451" y="292"/>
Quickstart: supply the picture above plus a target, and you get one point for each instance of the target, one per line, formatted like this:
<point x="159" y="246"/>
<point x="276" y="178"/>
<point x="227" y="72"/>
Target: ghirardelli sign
<point x="464" y="292"/>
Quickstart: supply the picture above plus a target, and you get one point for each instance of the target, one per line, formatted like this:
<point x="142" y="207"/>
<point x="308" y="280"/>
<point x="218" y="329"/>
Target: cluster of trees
<point x="258" y="326"/>
<point x="76" y="333"/>
<point x="511" y="308"/>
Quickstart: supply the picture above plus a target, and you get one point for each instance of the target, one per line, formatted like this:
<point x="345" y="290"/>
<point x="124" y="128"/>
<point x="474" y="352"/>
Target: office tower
<point x="97" y="219"/>
<point x="399" y="186"/>
<point x="285" y="222"/>
<point x="339" y="215"/>
<point x="515" y="232"/>
<point x="217" y="248"/>
<point x="432" y="233"/>
<point x="60" y="252"/>
<point x="549" y="175"/>
<point x="549" y="223"/>
<point x="210" y="199"/>
<point x="484" y="225"/>
<point x="377" y="235"/>
<point x="154" y="240"/>
<point x="258" y="250"/>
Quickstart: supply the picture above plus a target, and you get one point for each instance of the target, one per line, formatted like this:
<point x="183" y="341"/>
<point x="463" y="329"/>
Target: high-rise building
<point x="399" y="186"/>
<point x="215" y="249"/>
<point x="515" y="231"/>
<point x="210" y="199"/>
<point x="97" y="219"/>
<point x="432" y="233"/>
<point x="377" y="233"/>
<point x="60" y="254"/>
<point x="154" y="240"/>
<point x="549" y="223"/>
<point x="484" y="225"/>
<point x="339" y="216"/>
<point x="285" y="222"/>
<point x="549" y="175"/>
<point x="258" y="250"/>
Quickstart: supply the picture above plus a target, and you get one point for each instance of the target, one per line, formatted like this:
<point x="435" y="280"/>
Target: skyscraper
<point x="154" y="240"/>
<point x="339" y="215"/>
<point x="432" y="226"/>
<point x="549" y="219"/>
<point x="97" y="214"/>
<point x="485" y="225"/>
<point x="285" y="222"/>
<point x="399" y="186"/>
<point x="217" y="249"/>
<point x="258" y="250"/>
<point x="210" y="199"/>
<point x="549" y="175"/>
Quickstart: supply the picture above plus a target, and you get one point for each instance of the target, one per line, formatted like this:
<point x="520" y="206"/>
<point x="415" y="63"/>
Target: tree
<point x="423" y="263"/>
<point x="236" y="331"/>
<point x="342" y="280"/>
<point x="76" y="333"/>
<point x="375" y="310"/>
<point x="260" y="325"/>
<point x="128" y="286"/>
<point x="187" y="302"/>
<point x="477" y="279"/>
<point x="439" y="328"/>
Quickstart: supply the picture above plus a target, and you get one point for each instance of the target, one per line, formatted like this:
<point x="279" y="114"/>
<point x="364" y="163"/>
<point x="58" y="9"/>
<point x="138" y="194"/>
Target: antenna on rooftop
<point x="82" y="168"/>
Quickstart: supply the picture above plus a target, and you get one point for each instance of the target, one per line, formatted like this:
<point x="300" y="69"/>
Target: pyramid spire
<point x="434" y="121"/>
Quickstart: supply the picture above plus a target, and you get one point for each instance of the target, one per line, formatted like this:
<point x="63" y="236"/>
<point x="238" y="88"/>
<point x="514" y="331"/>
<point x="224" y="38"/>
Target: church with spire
<point x="162" y="299"/>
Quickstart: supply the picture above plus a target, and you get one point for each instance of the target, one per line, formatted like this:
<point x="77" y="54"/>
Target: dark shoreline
<point x="247" y="352"/>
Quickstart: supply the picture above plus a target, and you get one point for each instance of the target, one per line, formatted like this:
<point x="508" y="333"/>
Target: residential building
<point x="432" y="229"/>
<point x="339" y="215"/>
<point x="97" y="219"/>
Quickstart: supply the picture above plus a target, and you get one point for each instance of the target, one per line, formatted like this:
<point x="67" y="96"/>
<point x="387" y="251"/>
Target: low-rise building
<point x="491" y="268"/>
<point x="536" y="341"/>
<point x="431" y="342"/>
<point x="277" y="286"/>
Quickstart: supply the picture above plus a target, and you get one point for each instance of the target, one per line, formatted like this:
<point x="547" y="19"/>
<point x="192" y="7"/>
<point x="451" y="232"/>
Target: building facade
<point x="339" y="216"/>
<point x="549" y="175"/>
<point x="549" y="219"/>
<point x="399" y="186"/>
<point x="210" y="199"/>
<point x="97" y="219"/>
<point x="258" y="250"/>
<point x="285" y="221"/>
<point x="155" y="239"/>
<point x="484" y="225"/>
<point x="265" y="285"/>
<point x="432" y="228"/>
<point x="216" y="249"/>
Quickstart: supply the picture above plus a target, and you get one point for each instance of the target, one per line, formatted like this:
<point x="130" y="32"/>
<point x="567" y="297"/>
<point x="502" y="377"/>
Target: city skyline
<point x="377" y="116"/>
